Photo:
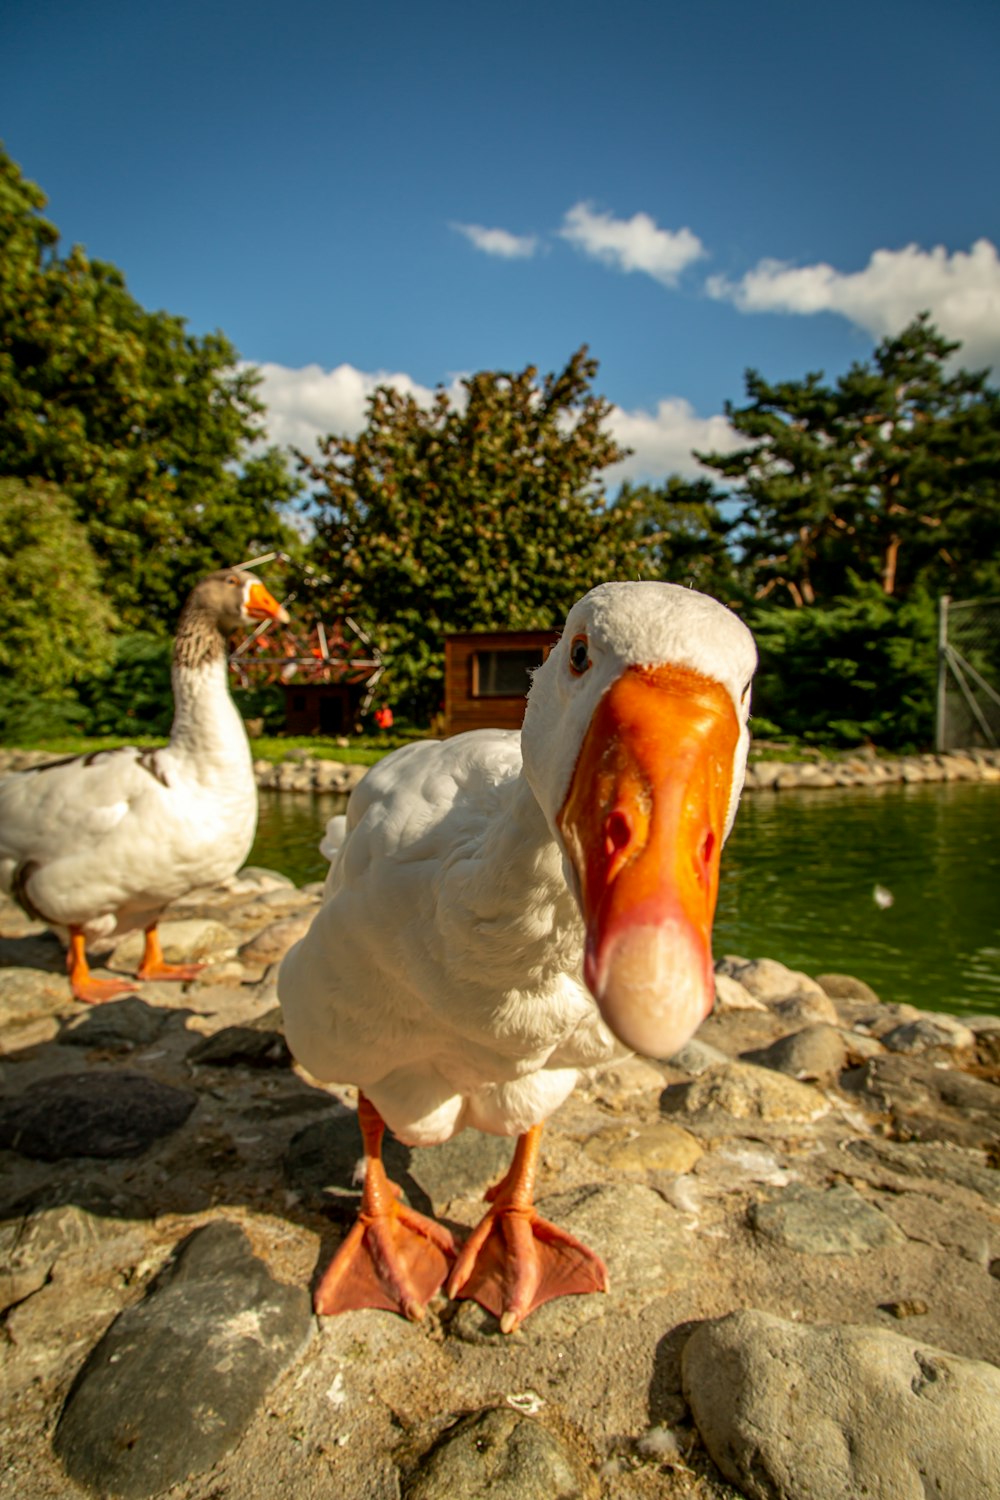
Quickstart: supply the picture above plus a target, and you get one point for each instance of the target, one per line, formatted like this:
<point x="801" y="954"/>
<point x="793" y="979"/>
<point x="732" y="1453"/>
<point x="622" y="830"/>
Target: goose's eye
<point x="743" y="695"/>
<point x="579" y="656"/>
<point x="232" y="578"/>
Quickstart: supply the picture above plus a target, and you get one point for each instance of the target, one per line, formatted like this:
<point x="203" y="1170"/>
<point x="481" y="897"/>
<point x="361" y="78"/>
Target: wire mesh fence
<point x="968" y="703"/>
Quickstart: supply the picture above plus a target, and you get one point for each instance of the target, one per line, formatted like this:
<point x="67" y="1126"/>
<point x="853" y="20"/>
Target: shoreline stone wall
<point x="302" y="772"/>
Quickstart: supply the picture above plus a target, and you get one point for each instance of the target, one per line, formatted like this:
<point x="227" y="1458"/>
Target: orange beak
<point x="262" y="605"/>
<point x="643" y="823"/>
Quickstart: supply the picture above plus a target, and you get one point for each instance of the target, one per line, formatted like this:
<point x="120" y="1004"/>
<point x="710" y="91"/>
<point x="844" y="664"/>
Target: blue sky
<point x="352" y="193"/>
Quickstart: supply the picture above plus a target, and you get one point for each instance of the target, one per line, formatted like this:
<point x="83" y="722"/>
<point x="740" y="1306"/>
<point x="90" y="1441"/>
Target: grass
<point x="363" y="750"/>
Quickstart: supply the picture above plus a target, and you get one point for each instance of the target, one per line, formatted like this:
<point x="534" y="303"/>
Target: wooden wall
<point x="465" y="707"/>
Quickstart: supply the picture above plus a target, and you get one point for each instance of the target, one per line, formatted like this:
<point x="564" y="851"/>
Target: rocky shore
<point x="302" y="772"/>
<point x="800" y="1213"/>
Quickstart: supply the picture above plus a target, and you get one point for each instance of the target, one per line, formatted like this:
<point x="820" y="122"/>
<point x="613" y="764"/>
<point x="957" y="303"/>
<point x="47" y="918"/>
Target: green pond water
<point x="798" y="882"/>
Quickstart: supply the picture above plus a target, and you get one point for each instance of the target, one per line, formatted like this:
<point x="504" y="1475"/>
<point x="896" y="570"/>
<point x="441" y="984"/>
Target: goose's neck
<point x="206" y="723"/>
<point x="520" y="880"/>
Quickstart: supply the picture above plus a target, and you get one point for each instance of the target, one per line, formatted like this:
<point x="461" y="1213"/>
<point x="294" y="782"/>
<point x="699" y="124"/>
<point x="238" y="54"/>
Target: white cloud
<point x="636" y="244"/>
<point x="305" y="404"/>
<point x="499" y="242"/>
<point x="662" y="441"/>
<point x="960" y="290"/>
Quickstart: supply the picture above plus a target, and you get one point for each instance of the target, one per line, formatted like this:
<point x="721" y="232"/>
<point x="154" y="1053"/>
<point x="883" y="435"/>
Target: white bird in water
<point x="506" y="910"/>
<point x="883" y="897"/>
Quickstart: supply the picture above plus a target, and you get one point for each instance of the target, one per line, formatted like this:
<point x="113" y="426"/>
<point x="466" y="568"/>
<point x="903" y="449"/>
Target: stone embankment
<point x="302" y="772"/>
<point x="800" y="1213"/>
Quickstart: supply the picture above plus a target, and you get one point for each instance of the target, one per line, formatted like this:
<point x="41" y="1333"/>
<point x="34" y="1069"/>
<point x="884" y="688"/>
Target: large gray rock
<point x="176" y="1379"/>
<point x="745" y="1092"/>
<point x="836" y="1221"/>
<point x="93" y="1114"/>
<point x="834" y="1413"/>
<point x="117" y="1025"/>
<point x="815" y="1053"/>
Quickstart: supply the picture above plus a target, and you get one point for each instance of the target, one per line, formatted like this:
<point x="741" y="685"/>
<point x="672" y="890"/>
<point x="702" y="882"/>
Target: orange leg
<point x="90" y="991"/>
<point x="514" y="1260"/>
<point x="393" y="1257"/>
<point x="153" y="965"/>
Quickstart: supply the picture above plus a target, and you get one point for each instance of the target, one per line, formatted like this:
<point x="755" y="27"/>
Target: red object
<point x="383" y="717"/>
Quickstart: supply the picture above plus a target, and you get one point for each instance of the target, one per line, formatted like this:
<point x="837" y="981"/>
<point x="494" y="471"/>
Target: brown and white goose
<point x="99" y="844"/>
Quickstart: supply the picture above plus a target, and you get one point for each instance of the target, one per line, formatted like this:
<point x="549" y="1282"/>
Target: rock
<point x="260" y="1045"/>
<point x="31" y="1002"/>
<point x="831" y="1413"/>
<point x="622" y="1082"/>
<point x="228" y="972"/>
<point x="176" y="1379"/>
<point x="846" y="987"/>
<point x="986" y="1030"/>
<point x="730" y="994"/>
<point x="92" y="1114"/>
<point x="91" y="1227"/>
<point x="260" y="878"/>
<point x="817" y="1053"/>
<point x="659" y="1147"/>
<point x="936" y="1034"/>
<point x="498" y="1454"/>
<point x="926" y="1162"/>
<point x="118" y="1024"/>
<point x="696" y="1057"/>
<point x="905" y="1307"/>
<point x="812" y="1009"/>
<point x="835" y="1222"/>
<point x="771" y="981"/>
<point x="928" y="1103"/>
<point x="275" y="940"/>
<point x="745" y="1092"/>
<point x="183" y="941"/>
<point x="325" y="1156"/>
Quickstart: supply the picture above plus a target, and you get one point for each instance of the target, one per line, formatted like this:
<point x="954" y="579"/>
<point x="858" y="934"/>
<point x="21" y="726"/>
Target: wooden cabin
<point x="486" y="676"/>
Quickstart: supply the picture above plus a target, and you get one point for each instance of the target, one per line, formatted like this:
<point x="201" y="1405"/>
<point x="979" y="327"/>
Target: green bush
<point x="860" y="669"/>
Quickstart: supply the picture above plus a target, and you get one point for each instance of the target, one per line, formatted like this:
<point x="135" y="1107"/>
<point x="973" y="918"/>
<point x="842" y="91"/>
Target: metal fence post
<point x="940" y="736"/>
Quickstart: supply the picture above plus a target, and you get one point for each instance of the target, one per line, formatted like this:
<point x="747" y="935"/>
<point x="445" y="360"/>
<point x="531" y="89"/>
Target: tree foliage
<point x="481" y="515"/>
<point x="891" y="474"/>
<point x="60" y="626"/>
<point x="685" y="535"/>
<point x="144" y="426"/>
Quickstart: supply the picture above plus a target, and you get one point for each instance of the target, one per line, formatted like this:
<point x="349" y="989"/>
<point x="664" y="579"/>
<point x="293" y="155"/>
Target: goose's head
<point x="635" y="745"/>
<point x="235" y="600"/>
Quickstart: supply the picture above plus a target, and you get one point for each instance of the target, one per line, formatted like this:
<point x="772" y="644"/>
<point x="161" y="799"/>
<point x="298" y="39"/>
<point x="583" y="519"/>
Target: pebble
<point x="499" y="1454"/>
<point x="833" y="1412"/>
<point x="177" y="1378"/>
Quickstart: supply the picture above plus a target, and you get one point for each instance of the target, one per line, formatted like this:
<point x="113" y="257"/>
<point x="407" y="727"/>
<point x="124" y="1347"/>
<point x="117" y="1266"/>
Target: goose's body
<point x="100" y="844"/>
<point x="505" y="910"/>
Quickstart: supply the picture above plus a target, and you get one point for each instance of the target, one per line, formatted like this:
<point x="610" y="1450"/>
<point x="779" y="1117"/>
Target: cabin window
<point x="504" y="674"/>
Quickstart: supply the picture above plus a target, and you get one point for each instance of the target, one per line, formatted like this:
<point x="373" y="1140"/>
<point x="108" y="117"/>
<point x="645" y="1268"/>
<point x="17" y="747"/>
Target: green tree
<point x="57" y="621"/>
<point x="147" y="428"/>
<point x="483" y="515"/>
<point x="892" y="473"/>
<point x="684" y="534"/>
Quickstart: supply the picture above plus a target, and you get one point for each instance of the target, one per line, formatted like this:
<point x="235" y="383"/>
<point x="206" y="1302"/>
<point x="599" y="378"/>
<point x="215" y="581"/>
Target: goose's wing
<point x="55" y="807"/>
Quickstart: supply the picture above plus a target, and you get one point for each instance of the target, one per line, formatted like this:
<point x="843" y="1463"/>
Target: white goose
<point x="99" y="844"/>
<point x="508" y="909"/>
